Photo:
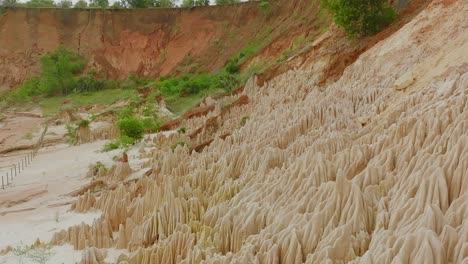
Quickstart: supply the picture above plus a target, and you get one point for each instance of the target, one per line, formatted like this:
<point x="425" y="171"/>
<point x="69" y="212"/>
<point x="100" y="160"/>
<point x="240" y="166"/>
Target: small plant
<point x="180" y="143"/>
<point x="122" y="142"/>
<point x="21" y="251"/>
<point x="263" y="5"/>
<point x="98" y="166"/>
<point x="83" y="123"/>
<point x="182" y="130"/>
<point x="126" y="112"/>
<point x="151" y="124"/>
<point x="70" y="137"/>
<point x="40" y="255"/>
<point x="244" y="120"/>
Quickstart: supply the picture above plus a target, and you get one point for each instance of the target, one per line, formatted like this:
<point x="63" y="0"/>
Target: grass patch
<point x="51" y="105"/>
<point x="178" y="105"/>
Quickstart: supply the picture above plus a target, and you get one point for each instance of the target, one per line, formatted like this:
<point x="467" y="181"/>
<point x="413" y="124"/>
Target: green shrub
<point x="87" y="83"/>
<point x="360" y="17"/>
<point x="70" y="136"/>
<point x="124" y="113"/>
<point x="150" y="124"/>
<point x="185" y="85"/>
<point x="83" y="123"/>
<point x="226" y="81"/>
<point x="133" y="81"/>
<point x="58" y="69"/>
<point x="232" y="66"/>
<point x="131" y="127"/>
<point x="182" y="130"/>
<point x="263" y="5"/>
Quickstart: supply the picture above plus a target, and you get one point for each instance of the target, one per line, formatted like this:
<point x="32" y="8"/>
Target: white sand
<point x="58" y="170"/>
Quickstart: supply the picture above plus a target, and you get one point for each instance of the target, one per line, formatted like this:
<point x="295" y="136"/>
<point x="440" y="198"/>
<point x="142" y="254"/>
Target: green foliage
<point x="131" y="127"/>
<point x="225" y="2"/>
<point x="39" y="3"/>
<point x="180" y="143"/>
<point x="263" y="5"/>
<point x="184" y="85"/>
<point x="226" y="81"/>
<point x="8" y="3"/>
<point x="133" y="81"/>
<point x="98" y="166"/>
<point x="99" y="3"/>
<point x="125" y="113"/>
<point x="70" y="136"/>
<point x="182" y="130"/>
<point x="58" y="70"/>
<point x="151" y="124"/>
<point x="232" y="66"/>
<point x="83" y="123"/>
<point x="360" y="17"/>
<point x="65" y="4"/>
<point x="117" y="5"/>
<point x="87" y="83"/>
<point x="244" y="120"/>
<point x="81" y="4"/>
<point x="191" y="3"/>
<point x="122" y="142"/>
<point x="148" y="3"/>
<point x="256" y="66"/>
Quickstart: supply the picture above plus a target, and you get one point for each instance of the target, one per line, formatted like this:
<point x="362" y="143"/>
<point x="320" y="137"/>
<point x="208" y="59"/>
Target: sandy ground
<point x="19" y="129"/>
<point x="28" y="207"/>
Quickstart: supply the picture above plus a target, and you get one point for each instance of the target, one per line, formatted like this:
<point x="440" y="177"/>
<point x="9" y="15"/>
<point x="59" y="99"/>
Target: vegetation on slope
<point x="360" y="17"/>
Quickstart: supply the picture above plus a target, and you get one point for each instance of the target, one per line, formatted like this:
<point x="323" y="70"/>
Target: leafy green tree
<point x="40" y="3"/>
<point x="8" y="3"/>
<point x="65" y="4"/>
<point x="117" y="5"/>
<point x="137" y="3"/>
<point x="225" y="2"/>
<point x="360" y="17"/>
<point x="164" y="3"/>
<point x="81" y="4"/>
<point x="149" y="3"/>
<point x="58" y="70"/>
<point x="99" y="3"/>
<point x="191" y="3"/>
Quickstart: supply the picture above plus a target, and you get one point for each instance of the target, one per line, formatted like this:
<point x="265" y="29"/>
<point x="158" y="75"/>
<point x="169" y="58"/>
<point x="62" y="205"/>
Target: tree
<point x="99" y="3"/>
<point x="40" y="3"/>
<point x="191" y="3"/>
<point x="149" y="3"/>
<point x="225" y="2"/>
<point x="65" y="4"/>
<point x="58" y="69"/>
<point x="117" y="5"/>
<point x="8" y="3"/>
<point x="360" y="17"/>
<point x="81" y="4"/>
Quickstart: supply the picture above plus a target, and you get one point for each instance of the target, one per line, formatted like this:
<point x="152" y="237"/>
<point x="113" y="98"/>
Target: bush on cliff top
<point x="360" y="17"/>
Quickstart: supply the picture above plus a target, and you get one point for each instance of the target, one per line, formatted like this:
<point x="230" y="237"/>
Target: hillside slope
<point x="149" y="42"/>
<point x="371" y="168"/>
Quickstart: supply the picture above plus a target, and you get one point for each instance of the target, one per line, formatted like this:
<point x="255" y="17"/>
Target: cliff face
<point x="149" y="42"/>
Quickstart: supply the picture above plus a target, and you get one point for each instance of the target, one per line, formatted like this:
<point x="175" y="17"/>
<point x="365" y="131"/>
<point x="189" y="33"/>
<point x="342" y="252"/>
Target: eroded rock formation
<point x="358" y="171"/>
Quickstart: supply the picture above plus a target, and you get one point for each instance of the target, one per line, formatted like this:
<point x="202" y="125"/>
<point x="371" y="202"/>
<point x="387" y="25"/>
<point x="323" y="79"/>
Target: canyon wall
<point x="149" y="42"/>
